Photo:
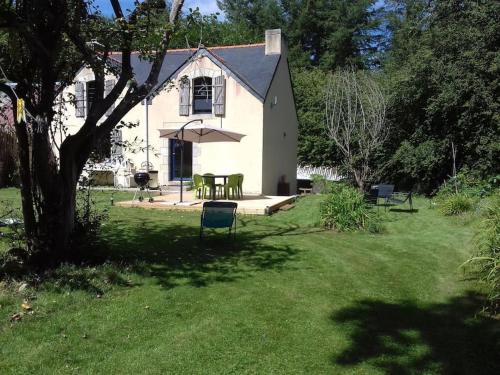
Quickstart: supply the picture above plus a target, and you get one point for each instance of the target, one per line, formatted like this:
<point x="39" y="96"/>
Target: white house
<point x="246" y="89"/>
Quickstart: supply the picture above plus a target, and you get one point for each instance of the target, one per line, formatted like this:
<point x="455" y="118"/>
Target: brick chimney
<point x="273" y="42"/>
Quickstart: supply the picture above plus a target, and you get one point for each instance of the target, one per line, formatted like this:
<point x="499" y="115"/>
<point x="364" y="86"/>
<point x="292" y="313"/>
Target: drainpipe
<point x="146" y="104"/>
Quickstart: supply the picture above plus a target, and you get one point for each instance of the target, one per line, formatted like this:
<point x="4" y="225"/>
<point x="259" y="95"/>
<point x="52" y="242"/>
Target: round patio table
<point x="212" y="179"/>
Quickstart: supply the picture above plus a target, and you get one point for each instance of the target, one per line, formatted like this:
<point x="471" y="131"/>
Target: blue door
<point x="175" y="160"/>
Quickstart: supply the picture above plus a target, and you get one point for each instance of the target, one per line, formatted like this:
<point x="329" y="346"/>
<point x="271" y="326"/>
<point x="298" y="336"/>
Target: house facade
<point x="245" y="89"/>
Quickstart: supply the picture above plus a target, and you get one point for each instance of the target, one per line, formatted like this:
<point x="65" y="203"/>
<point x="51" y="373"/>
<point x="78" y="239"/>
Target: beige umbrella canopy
<point x="198" y="133"/>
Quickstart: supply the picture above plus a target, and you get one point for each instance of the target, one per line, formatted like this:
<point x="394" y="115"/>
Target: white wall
<point x="280" y="132"/>
<point x="243" y="115"/>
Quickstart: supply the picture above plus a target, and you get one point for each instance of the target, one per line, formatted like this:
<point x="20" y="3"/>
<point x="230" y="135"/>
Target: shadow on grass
<point x="391" y="208"/>
<point x="403" y="338"/>
<point x="404" y="210"/>
<point x="174" y="255"/>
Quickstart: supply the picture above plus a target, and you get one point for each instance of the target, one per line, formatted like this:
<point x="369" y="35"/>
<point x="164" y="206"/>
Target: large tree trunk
<point x="50" y="240"/>
<point x="48" y="194"/>
<point x="359" y="181"/>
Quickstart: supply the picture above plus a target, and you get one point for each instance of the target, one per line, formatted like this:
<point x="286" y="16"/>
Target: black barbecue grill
<point x="142" y="180"/>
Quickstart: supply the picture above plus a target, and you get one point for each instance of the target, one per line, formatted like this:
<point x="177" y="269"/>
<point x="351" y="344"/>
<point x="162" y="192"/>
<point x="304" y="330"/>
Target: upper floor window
<point x="91" y="94"/>
<point x="202" y="95"/>
<point x="86" y="95"/>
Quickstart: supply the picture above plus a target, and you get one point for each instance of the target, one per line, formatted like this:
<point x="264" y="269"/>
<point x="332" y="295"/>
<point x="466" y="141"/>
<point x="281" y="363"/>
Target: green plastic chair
<point x="232" y="186"/>
<point x="198" y="185"/>
<point x="240" y="185"/>
<point x="207" y="183"/>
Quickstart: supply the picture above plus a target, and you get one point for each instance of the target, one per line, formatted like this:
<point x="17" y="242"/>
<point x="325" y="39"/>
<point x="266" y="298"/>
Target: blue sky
<point x="206" y="6"/>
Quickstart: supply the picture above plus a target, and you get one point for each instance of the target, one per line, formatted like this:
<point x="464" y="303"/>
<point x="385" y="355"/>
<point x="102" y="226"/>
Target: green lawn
<point x="286" y="297"/>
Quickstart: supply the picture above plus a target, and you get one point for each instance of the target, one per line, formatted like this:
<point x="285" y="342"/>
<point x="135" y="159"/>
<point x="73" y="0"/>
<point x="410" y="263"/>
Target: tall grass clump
<point x="456" y="204"/>
<point x="344" y="209"/>
<point x="461" y="194"/>
<point x="485" y="265"/>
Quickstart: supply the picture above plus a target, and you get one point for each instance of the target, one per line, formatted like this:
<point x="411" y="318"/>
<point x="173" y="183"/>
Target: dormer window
<point x="202" y="95"/>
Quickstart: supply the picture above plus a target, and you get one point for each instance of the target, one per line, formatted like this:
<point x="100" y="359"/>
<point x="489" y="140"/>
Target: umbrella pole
<point x="182" y="159"/>
<point x="182" y="149"/>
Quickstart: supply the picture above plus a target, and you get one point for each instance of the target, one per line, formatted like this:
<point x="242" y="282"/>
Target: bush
<point x="486" y="262"/>
<point x="89" y="218"/>
<point x="456" y="204"/>
<point x="462" y="193"/>
<point x="466" y="183"/>
<point x="344" y="209"/>
<point x="320" y="184"/>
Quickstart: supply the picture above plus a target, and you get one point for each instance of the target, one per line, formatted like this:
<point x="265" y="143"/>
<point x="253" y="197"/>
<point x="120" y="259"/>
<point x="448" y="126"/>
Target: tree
<point x="315" y="147"/>
<point x="332" y="33"/>
<point x="48" y="42"/>
<point x="323" y="33"/>
<point x="442" y="71"/>
<point x="255" y="15"/>
<point x="355" y="120"/>
<point x="210" y="31"/>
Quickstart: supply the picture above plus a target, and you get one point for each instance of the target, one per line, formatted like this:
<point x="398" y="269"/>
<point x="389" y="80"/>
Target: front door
<point x="175" y="160"/>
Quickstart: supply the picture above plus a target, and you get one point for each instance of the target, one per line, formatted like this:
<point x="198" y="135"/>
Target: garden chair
<point x="402" y="198"/>
<point x="10" y="223"/>
<point x="209" y="184"/>
<point x="240" y="185"/>
<point x="386" y="192"/>
<point x="232" y="186"/>
<point x="198" y="185"/>
<point x="219" y="215"/>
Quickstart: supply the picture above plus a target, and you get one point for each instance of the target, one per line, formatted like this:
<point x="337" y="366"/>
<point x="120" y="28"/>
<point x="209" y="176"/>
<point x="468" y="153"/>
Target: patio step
<point x="175" y="186"/>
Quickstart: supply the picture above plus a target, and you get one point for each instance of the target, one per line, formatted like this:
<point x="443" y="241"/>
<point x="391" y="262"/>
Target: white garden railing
<point x="305" y="172"/>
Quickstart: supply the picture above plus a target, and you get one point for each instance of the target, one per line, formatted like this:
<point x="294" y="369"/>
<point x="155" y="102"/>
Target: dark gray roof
<point x="248" y="63"/>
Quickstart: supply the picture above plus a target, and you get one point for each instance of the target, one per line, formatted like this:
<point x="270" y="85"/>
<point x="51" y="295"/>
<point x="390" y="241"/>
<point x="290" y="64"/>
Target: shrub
<point x="466" y="183"/>
<point x="344" y="209"/>
<point x="89" y="218"/>
<point x="462" y="193"/>
<point x="320" y="184"/>
<point x="456" y="204"/>
<point x="486" y="262"/>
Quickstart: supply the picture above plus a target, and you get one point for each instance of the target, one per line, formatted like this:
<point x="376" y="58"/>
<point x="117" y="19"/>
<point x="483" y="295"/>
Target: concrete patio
<point x="249" y="205"/>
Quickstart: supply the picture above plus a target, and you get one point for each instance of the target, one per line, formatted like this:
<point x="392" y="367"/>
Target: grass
<point x="287" y="297"/>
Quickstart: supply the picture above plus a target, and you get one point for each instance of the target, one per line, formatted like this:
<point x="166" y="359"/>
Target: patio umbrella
<point x="198" y="133"/>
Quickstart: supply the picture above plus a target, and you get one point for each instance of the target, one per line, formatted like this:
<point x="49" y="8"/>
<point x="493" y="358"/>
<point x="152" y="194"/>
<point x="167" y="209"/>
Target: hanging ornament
<point x="21" y="112"/>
